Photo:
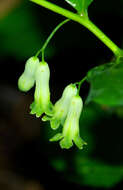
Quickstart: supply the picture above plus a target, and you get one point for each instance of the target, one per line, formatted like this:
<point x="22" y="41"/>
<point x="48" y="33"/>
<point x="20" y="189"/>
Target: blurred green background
<point x="27" y="159"/>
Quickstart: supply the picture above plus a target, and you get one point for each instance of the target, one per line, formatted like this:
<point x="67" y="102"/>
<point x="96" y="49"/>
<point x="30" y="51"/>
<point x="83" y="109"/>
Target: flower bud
<point x="61" y="107"/>
<point x="70" y="131"/>
<point x="27" y="79"/>
<point x="42" y="102"/>
<point x="71" y="126"/>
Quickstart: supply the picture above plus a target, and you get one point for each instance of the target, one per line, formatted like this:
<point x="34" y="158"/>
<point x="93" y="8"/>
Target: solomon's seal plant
<point x="67" y="110"/>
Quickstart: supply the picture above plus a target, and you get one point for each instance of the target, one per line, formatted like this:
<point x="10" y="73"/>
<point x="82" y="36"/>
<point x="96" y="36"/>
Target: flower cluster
<point x="66" y="111"/>
<point x="70" y="131"/>
<point x="38" y="73"/>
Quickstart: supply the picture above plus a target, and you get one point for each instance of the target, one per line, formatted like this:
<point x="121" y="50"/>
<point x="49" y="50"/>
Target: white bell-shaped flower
<point x="61" y="107"/>
<point x="27" y="79"/>
<point x="42" y="102"/>
<point x="70" y="131"/>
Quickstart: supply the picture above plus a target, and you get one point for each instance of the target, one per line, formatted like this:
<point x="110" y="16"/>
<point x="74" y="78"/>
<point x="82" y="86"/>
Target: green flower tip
<point x="70" y="131"/>
<point x="57" y="137"/>
<point x="42" y="102"/>
<point x="27" y="79"/>
<point x="39" y="109"/>
<point x="67" y="143"/>
<point x="61" y="107"/>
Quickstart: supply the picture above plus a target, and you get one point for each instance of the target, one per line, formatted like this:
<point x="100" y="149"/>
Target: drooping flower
<point x="42" y="102"/>
<point x="27" y="79"/>
<point x="61" y="107"/>
<point x="70" y="131"/>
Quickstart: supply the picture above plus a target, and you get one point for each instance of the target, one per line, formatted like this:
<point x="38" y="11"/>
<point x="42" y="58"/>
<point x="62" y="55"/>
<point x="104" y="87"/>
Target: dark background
<point x="25" y="152"/>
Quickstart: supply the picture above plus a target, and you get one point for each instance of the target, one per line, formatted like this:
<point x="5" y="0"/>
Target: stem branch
<point x="80" y="83"/>
<point x="83" y="21"/>
<point x="50" y="37"/>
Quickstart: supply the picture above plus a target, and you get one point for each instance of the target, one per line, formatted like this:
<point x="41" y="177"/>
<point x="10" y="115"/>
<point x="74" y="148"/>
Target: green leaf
<point x="106" y="84"/>
<point x="80" y="5"/>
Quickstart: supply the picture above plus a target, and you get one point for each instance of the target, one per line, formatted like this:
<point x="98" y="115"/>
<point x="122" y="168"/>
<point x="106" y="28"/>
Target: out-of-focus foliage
<point x="20" y="35"/>
<point x="95" y="173"/>
<point x="6" y="6"/>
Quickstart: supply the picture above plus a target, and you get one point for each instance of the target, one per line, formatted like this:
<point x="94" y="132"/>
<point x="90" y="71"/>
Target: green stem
<point x="83" y="21"/>
<point x="80" y="83"/>
<point x="50" y="37"/>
